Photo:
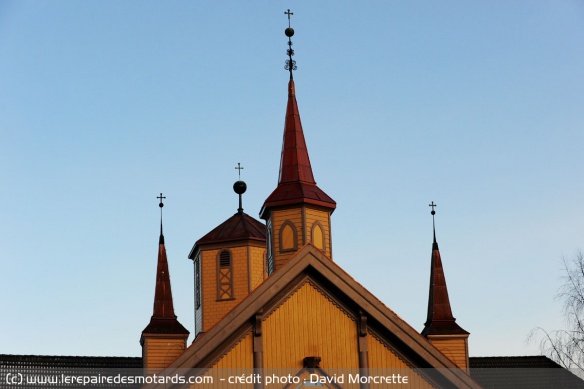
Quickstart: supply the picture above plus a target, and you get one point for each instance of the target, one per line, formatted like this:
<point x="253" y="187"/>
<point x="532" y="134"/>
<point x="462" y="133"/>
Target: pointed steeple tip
<point x="291" y="89"/>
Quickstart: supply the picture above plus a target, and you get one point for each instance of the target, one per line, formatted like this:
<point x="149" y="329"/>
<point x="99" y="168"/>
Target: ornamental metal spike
<point x="290" y="63"/>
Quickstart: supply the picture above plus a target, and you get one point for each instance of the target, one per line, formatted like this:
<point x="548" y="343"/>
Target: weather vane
<point x="290" y="63"/>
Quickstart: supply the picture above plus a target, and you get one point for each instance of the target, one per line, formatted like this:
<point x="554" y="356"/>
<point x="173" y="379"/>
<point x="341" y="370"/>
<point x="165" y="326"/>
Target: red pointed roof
<point x="163" y="320"/>
<point x="296" y="182"/>
<point x="440" y="320"/>
<point x="240" y="226"/>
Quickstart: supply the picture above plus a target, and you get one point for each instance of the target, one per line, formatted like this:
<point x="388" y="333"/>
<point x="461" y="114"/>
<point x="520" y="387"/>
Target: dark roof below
<point x="165" y="326"/>
<point x="240" y="226"/>
<point x="532" y="372"/>
<point x="33" y="366"/>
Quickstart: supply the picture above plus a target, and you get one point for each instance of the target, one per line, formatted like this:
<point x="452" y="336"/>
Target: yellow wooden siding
<point x="237" y="361"/>
<point x="314" y="215"/>
<point x="384" y="362"/>
<point x="214" y="310"/>
<point x="309" y="324"/>
<point x="258" y="264"/>
<point x="454" y="349"/>
<point x="158" y="353"/>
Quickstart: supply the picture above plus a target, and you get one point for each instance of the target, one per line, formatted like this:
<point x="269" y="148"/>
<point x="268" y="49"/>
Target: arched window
<point x="318" y="236"/>
<point x="224" y="276"/>
<point x="288" y="241"/>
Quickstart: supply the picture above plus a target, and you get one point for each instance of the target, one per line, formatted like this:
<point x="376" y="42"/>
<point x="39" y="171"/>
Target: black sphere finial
<point x="239" y="187"/>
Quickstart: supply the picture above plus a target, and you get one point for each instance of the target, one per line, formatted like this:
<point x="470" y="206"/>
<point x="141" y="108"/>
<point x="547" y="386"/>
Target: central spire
<point x="295" y="162"/>
<point x="296" y="184"/>
<point x="297" y="212"/>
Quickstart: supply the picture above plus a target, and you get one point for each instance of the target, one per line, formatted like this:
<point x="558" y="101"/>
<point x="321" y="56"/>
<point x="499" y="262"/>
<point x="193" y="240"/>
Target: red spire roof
<point x="296" y="182"/>
<point x="163" y="319"/>
<point x="440" y="320"/>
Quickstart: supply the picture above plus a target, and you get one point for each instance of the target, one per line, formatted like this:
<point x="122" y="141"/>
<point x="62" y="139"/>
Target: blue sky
<point x="477" y="106"/>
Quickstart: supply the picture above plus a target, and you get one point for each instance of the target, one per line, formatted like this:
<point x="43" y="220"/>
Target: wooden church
<point x="271" y="301"/>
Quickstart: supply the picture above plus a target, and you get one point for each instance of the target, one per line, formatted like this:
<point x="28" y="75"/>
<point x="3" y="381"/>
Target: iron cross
<point x="289" y="14"/>
<point x="239" y="168"/>
<point x="433" y="206"/>
<point x="161" y="197"/>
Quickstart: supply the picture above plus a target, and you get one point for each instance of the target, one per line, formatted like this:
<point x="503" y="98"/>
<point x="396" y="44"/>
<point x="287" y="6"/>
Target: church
<point x="273" y="309"/>
<point x="269" y="298"/>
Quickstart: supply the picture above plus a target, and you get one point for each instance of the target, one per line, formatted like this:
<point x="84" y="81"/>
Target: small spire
<point x="290" y="63"/>
<point x="161" y="204"/>
<point x="440" y="320"/>
<point x="435" y="244"/>
<point x="239" y="187"/>
<point x="163" y="320"/>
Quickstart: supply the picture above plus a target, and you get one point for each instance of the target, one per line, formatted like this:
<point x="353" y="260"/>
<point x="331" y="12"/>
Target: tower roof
<point x="296" y="182"/>
<point x="240" y="226"/>
<point x="440" y="320"/>
<point x="163" y="320"/>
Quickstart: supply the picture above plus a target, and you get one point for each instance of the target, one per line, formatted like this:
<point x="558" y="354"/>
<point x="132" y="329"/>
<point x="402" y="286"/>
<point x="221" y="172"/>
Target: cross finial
<point x="289" y="14"/>
<point x="290" y="63"/>
<point x="161" y="204"/>
<point x="239" y="169"/>
<point x="433" y="206"/>
<point x="161" y="197"/>
<point x="433" y="222"/>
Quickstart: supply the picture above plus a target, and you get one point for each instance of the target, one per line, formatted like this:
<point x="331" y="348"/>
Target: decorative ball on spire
<point x="239" y="187"/>
<point x="289" y="32"/>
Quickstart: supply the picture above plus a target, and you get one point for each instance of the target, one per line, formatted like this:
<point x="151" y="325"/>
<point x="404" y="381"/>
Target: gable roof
<point x="311" y="263"/>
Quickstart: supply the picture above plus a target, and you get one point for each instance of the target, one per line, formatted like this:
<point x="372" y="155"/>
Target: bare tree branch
<point x="566" y="347"/>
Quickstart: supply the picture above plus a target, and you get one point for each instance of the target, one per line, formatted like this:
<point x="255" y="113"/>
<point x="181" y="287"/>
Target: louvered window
<point x="224" y="276"/>
<point x="270" y="252"/>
